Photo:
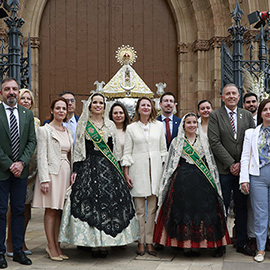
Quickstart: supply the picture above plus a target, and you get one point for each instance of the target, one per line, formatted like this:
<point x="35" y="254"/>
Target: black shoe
<point x="83" y="248"/>
<point x="246" y="250"/>
<point x="103" y="253"/>
<point x="21" y="258"/>
<point x="3" y="262"/>
<point x="158" y="247"/>
<point x="252" y="244"/>
<point x="95" y="253"/>
<point x="192" y="253"/>
<point x="219" y="252"/>
<point x="267" y="246"/>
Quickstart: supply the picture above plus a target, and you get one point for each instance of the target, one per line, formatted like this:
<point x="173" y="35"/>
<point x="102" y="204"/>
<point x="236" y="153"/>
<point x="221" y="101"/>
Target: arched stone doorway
<point x="78" y="40"/>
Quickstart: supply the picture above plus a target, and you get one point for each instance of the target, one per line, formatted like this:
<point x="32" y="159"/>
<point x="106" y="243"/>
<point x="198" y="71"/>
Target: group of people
<point x="104" y="182"/>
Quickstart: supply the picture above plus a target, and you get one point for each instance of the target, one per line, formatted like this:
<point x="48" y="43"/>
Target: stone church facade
<point x="177" y="41"/>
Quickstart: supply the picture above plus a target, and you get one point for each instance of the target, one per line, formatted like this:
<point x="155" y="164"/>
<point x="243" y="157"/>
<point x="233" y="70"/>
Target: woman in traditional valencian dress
<point x="191" y="211"/>
<point x="99" y="211"/>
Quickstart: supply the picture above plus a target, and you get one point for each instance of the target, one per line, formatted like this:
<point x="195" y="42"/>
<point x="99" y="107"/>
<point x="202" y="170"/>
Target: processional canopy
<point x="126" y="83"/>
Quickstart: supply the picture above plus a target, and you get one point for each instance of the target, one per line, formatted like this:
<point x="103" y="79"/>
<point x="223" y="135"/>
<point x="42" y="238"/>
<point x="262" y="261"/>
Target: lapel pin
<point x="240" y="115"/>
<point x="23" y="111"/>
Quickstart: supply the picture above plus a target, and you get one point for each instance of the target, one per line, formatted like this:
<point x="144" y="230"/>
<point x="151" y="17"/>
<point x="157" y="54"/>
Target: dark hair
<point x="127" y="118"/>
<point x="249" y="94"/>
<point x="188" y="115"/>
<point x="260" y="109"/>
<point x="9" y="79"/>
<point x="153" y="114"/>
<point x="94" y="95"/>
<point x="167" y="94"/>
<point x="53" y="105"/>
<point x="67" y="92"/>
<point x="202" y="101"/>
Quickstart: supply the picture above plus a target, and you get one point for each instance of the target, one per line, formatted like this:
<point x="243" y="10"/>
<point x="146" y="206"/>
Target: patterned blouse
<point x="264" y="146"/>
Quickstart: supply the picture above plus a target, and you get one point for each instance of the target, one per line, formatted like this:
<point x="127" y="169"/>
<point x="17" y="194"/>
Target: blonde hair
<point x="25" y="90"/>
<point x="153" y="114"/>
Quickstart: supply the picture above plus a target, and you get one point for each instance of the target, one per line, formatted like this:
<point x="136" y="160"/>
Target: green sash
<point x="102" y="146"/>
<point x="194" y="156"/>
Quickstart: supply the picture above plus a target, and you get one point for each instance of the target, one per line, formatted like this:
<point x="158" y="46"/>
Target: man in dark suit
<point x="72" y="119"/>
<point x="170" y="121"/>
<point x="17" y="145"/>
<point x="226" y="131"/>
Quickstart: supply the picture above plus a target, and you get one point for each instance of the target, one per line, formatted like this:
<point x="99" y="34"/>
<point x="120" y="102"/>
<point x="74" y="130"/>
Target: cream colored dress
<point x="58" y="184"/>
<point x="121" y="138"/>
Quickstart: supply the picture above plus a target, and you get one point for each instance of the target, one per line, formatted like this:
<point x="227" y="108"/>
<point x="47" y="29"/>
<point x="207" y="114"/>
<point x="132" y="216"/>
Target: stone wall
<point x="201" y="26"/>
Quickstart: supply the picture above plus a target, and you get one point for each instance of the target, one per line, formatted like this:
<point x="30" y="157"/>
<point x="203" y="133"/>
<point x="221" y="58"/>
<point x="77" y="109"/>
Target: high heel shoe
<point x="151" y="252"/>
<point x="140" y="252"/>
<point x="64" y="257"/>
<point x="51" y="257"/>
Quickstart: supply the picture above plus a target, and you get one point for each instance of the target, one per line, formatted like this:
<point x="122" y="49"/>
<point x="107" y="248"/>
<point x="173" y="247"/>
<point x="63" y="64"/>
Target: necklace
<point x="192" y="143"/>
<point x="100" y="131"/>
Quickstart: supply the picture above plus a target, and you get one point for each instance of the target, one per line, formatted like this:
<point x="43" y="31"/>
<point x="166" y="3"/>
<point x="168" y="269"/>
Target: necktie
<point x="168" y="130"/>
<point x="232" y="121"/>
<point x="14" y="135"/>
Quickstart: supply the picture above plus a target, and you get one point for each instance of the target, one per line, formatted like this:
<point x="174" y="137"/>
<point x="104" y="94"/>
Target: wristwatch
<point x="23" y="163"/>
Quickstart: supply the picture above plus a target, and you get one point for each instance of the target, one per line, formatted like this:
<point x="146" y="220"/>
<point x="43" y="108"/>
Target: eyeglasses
<point x="72" y="100"/>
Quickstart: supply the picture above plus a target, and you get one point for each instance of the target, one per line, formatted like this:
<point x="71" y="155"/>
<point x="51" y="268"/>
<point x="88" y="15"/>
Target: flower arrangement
<point x="255" y="85"/>
<point x="258" y="87"/>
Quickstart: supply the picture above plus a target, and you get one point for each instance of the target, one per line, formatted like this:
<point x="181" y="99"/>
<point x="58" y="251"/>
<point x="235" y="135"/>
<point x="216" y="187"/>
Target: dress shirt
<point x="255" y="119"/>
<point x="170" y="123"/>
<point x="234" y="116"/>
<point x="71" y="124"/>
<point x="15" y="112"/>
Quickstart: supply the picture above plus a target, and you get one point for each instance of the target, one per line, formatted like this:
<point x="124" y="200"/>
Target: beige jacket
<point x="144" y="158"/>
<point x="49" y="152"/>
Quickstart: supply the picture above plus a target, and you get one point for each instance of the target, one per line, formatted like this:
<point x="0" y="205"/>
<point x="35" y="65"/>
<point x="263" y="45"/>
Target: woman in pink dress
<point x="54" y="145"/>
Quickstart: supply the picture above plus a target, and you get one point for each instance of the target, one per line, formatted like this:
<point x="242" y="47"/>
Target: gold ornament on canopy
<point x="126" y="82"/>
<point x="126" y="54"/>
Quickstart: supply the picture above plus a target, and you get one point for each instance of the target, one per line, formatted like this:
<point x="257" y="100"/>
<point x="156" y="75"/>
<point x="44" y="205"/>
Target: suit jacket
<point x="27" y="141"/>
<point x="176" y="123"/>
<point x="144" y="158"/>
<point x="49" y="152"/>
<point x="225" y="147"/>
<point x="250" y="155"/>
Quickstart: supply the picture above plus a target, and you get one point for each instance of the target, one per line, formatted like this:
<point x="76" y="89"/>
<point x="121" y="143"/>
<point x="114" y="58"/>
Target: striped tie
<point x="232" y="121"/>
<point x="14" y="135"/>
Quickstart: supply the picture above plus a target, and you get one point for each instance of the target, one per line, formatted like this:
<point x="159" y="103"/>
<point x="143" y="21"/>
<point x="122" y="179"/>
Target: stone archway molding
<point x="32" y="11"/>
